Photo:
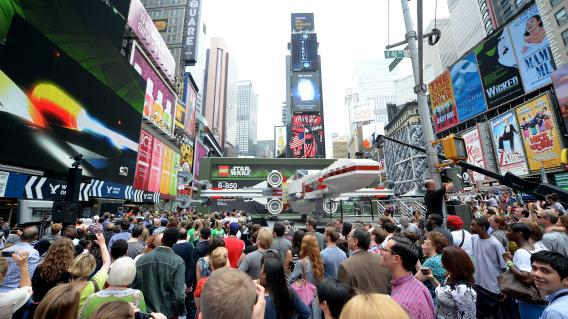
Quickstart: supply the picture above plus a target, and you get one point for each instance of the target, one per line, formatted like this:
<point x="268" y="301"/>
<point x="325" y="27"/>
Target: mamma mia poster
<point x="532" y="49"/>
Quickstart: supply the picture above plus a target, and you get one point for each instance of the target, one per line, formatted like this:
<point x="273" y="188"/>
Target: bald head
<point x="430" y="185"/>
<point x="30" y="234"/>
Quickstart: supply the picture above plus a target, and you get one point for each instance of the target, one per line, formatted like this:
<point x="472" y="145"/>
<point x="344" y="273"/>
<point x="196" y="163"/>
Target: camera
<point x="91" y="236"/>
<point x="7" y="254"/>
<point x="142" y="315"/>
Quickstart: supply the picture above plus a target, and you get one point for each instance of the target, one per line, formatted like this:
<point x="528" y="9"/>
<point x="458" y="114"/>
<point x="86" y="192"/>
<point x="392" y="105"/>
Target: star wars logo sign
<point x="226" y="171"/>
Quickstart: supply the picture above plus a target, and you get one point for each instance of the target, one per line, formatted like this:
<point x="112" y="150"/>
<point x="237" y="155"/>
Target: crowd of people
<point x="511" y="261"/>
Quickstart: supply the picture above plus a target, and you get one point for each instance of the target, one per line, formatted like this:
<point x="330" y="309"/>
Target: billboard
<point x="144" y="28"/>
<point x="186" y="158"/>
<point x="173" y="173"/>
<point x="474" y="152"/>
<point x="201" y="151"/>
<point x="306" y="95"/>
<point x="303" y="22"/>
<point x="443" y="104"/>
<point x="161" y="24"/>
<point x="306" y="137"/>
<point x="191" y="31"/>
<point x="498" y="69"/>
<point x="560" y="82"/>
<point x="279" y="141"/>
<point x="159" y="99"/>
<point x="180" y="115"/>
<point x="533" y="52"/>
<point x="166" y="170"/>
<point x="468" y="91"/>
<point x="508" y="144"/>
<point x="540" y="132"/>
<point x="190" y="99"/>
<point x="156" y="166"/>
<point x="142" y="173"/>
<point x="304" y="52"/>
<point x="53" y="108"/>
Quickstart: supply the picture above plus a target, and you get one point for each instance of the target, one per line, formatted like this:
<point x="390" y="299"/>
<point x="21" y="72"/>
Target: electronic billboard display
<point x="304" y="52"/>
<point x="53" y="109"/>
<point x="306" y="95"/>
<point x="303" y="22"/>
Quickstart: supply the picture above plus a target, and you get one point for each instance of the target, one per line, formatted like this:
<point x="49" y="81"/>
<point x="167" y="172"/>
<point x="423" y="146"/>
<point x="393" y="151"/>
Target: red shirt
<point x="235" y="248"/>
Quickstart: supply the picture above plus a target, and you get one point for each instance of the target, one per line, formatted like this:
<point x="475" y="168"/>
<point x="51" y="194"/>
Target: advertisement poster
<point x="474" y="152"/>
<point x="186" y="158"/>
<point x="201" y="151"/>
<point x="166" y="170"/>
<point x="54" y="109"/>
<point x="532" y="49"/>
<point x="302" y="22"/>
<point x="173" y="173"/>
<point x="560" y="83"/>
<point x="540" y="134"/>
<point x="305" y="138"/>
<point x="142" y="174"/>
<point x="306" y="95"/>
<point x="561" y="180"/>
<point x="467" y="87"/>
<point x="444" y="110"/>
<point x="180" y="114"/>
<point x="190" y="98"/>
<point x="159" y="99"/>
<point x="279" y="140"/>
<point x="304" y="52"/>
<point x="498" y="69"/>
<point x="144" y="28"/>
<point x="156" y="166"/>
<point x="508" y="145"/>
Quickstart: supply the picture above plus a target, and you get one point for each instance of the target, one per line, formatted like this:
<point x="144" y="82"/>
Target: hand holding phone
<point x="426" y="271"/>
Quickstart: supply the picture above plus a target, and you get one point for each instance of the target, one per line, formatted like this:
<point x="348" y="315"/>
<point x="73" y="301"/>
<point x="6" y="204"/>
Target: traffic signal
<point x="454" y="147"/>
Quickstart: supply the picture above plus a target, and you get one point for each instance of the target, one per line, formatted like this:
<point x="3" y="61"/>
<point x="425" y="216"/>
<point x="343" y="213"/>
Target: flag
<point x="297" y="141"/>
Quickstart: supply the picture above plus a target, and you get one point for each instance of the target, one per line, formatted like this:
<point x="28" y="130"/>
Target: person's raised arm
<point x="21" y="259"/>
<point x="104" y="252"/>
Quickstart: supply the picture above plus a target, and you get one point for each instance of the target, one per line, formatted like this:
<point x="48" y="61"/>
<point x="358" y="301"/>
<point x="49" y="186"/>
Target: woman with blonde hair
<point x="193" y="234"/>
<point x="61" y="302"/>
<point x="83" y="266"/>
<point x="218" y="230"/>
<point x="145" y="235"/>
<point x="311" y="265"/>
<point x="372" y="306"/>
<point x="53" y="269"/>
<point x="219" y="258"/>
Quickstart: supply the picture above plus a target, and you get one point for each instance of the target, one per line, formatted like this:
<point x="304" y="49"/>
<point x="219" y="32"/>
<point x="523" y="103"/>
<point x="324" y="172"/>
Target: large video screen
<point x="90" y="32"/>
<point x="306" y="137"/>
<point x="306" y="95"/>
<point x="53" y="109"/>
<point x="304" y="52"/>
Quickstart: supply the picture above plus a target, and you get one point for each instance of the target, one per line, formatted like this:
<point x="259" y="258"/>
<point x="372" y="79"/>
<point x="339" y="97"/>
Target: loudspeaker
<point x="65" y="212"/>
<point x="463" y="211"/>
<point x="73" y="184"/>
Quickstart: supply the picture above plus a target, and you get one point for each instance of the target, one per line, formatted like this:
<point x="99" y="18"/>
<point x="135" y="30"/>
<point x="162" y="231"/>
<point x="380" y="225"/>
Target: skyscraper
<point x="504" y="9"/>
<point x="443" y="54"/>
<point x="218" y="74"/>
<point x="246" y="119"/>
<point x="467" y="24"/>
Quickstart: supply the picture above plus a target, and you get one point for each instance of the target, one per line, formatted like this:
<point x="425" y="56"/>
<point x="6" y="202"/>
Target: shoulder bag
<point x="305" y="290"/>
<point x="513" y="287"/>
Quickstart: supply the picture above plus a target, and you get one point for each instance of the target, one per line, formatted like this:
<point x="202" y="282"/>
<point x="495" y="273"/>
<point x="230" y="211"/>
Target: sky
<point x="257" y="33"/>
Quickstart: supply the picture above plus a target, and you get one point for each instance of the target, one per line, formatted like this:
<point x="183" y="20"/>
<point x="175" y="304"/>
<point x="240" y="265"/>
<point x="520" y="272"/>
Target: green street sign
<point x="394" y="63"/>
<point x="396" y="54"/>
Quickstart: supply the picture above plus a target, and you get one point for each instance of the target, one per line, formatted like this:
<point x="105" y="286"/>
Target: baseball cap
<point x="455" y="220"/>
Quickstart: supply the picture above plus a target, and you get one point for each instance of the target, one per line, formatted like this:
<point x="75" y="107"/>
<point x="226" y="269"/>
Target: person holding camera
<point x="15" y="298"/>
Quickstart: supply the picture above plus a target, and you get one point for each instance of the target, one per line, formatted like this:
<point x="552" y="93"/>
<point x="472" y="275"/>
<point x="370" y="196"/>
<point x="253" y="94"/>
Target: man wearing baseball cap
<point x="462" y="238"/>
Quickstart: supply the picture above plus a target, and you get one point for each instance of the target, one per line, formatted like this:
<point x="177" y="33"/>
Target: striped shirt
<point x="413" y="297"/>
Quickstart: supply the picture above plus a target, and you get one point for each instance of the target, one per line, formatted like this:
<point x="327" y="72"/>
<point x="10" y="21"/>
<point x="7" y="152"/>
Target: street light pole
<point x="420" y="89"/>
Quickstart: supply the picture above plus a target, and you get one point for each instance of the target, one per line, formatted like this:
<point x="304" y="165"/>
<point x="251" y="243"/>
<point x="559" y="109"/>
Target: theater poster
<point x="498" y="69"/>
<point x="508" y="145"/>
<point x="533" y="52"/>
<point x="560" y="82"/>
<point x="156" y="166"/>
<point x="467" y="87"/>
<point x="540" y="133"/>
<point x="474" y="152"/>
<point x="444" y="110"/>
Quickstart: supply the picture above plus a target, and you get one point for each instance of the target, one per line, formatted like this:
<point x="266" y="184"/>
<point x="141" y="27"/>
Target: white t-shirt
<point x="17" y="297"/>
<point x="457" y="235"/>
<point x="488" y="261"/>
<point x="522" y="259"/>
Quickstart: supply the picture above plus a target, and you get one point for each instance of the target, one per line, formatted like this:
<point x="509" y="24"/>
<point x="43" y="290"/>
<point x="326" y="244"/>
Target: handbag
<point x="511" y="286"/>
<point x="305" y="290"/>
